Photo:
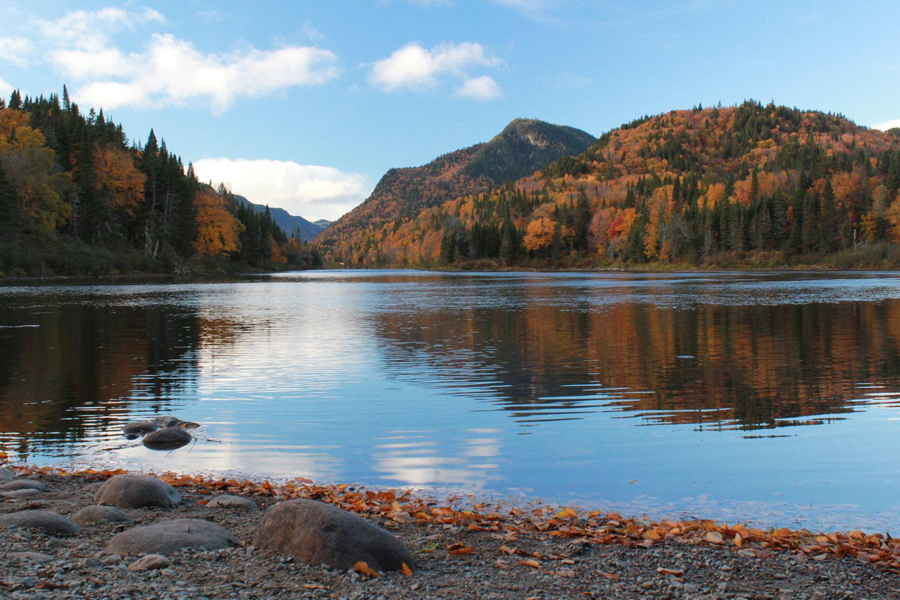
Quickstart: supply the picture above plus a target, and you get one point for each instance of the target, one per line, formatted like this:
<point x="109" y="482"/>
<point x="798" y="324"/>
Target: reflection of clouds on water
<point x="413" y="458"/>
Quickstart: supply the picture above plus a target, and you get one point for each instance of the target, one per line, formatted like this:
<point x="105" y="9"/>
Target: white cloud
<point x="310" y="191"/>
<point x="5" y="88"/>
<point x="887" y="125"/>
<point x="480" y="88"/>
<point x="170" y="71"/>
<point x="416" y="68"/>
<point x="16" y="50"/>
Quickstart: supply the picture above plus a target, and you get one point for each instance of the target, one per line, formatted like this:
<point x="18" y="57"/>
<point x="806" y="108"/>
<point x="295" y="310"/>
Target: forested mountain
<point x="288" y="223"/>
<point x="523" y="147"/>
<point x="77" y="198"/>
<point x="744" y="185"/>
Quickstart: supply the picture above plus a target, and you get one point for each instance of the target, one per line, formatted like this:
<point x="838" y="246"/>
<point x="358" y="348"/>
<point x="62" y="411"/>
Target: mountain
<point x="746" y="185"/>
<point x="524" y="146"/>
<point x="288" y="222"/>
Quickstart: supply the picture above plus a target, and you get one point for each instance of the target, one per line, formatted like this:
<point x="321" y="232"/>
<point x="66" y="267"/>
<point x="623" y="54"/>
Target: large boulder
<point x="23" y="484"/>
<point x="171" y="536"/>
<point x="229" y="501"/>
<point x="137" y="491"/>
<point x="50" y="522"/>
<point x="316" y="533"/>
<point x="94" y="515"/>
<point x="138" y="428"/>
<point x="170" y="438"/>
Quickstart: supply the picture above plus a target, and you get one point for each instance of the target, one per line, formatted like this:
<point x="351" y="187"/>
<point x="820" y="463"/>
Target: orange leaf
<point x="465" y="550"/>
<point x="363" y="568"/>
<point x="406" y="570"/>
<point x="530" y="563"/>
<point x="566" y="513"/>
<point x="673" y="572"/>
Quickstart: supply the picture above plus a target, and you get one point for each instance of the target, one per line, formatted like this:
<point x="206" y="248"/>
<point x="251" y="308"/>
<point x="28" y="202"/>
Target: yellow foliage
<point x="218" y="230"/>
<point x="539" y="234"/>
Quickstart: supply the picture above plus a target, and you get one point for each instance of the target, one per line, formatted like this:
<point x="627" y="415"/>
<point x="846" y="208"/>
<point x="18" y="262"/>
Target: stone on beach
<point x="93" y="515"/>
<point x="35" y="557"/>
<point x="23" y="484"/>
<point x="172" y="536"/>
<point x="19" y="494"/>
<point x="50" y="522"/>
<point x="229" y="501"/>
<point x="6" y="475"/>
<point x="150" y="562"/>
<point x="170" y="438"/>
<point x="316" y="533"/>
<point x="137" y="491"/>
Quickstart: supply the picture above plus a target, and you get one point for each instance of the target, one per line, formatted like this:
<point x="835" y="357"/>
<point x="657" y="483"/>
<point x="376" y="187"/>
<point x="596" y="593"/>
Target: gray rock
<point x="137" y="491"/>
<point x="92" y="488"/>
<point x="6" y="475"/>
<point x="49" y="522"/>
<point x="170" y="438"/>
<point x="150" y="562"/>
<point x="19" y="494"/>
<point x="171" y="536"/>
<point x="35" y="557"/>
<point x="139" y="428"/>
<point x="170" y="421"/>
<point x="93" y="515"/>
<point x="316" y="533"/>
<point x="229" y="501"/>
<point x="23" y="484"/>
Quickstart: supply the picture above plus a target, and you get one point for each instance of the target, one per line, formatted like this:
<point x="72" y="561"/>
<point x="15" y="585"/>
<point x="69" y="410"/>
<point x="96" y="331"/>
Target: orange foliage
<point x="120" y="178"/>
<point x="539" y="234"/>
<point x="218" y="230"/>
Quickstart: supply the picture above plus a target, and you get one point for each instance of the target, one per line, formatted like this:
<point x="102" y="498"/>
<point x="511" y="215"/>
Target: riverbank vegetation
<point x="77" y="198"/>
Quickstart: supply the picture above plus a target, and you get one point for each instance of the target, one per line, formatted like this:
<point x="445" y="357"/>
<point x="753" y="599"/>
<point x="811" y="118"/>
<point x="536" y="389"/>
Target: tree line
<point x="76" y="197"/>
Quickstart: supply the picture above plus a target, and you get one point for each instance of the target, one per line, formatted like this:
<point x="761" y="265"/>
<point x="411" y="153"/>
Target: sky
<point x="304" y="104"/>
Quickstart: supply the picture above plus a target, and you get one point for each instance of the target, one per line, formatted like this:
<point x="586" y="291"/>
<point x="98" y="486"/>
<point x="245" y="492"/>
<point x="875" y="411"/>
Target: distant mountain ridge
<point x="287" y="222"/>
<point x="523" y="147"/>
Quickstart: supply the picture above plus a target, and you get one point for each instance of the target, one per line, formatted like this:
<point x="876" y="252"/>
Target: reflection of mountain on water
<point x="85" y="364"/>
<point x="557" y="355"/>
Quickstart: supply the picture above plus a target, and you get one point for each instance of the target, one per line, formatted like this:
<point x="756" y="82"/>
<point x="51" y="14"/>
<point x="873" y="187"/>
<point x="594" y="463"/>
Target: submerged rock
<point x="50" y="522"/>
<point x="172" y="536"/>
<point x="170" y="421"/>
<point x="93" y="515"/>
<point x="23" y="484"/>
<point x="170" y="438"/>
<point x="137" y="491"/>
<point x="139" y="428"/>
<point x="229" y="501"/>
<point x="316" y="533"/>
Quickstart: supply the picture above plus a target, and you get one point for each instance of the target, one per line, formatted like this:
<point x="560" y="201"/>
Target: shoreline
<point x="482" y="550"/>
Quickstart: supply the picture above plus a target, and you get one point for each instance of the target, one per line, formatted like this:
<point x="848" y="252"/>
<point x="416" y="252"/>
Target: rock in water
<point x="139" y="428"/>
<point x="93" y="515"/>
<point x="316" y="533"/>
<point x="169" y="421"/>
<point x="171" y="536"/>
<point x="229" y="501"/>
<point x="23" y="484"/>
<point x="137" y="491"/>
<point x="170" y="438"/>
<point x="49" y="522"/>
<point x="150" y="563"/>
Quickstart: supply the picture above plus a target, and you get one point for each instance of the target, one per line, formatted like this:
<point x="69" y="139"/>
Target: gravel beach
<point x="453" y="560"/>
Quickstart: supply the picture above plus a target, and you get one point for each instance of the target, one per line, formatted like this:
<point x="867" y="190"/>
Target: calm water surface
<point x="769" y="398"/>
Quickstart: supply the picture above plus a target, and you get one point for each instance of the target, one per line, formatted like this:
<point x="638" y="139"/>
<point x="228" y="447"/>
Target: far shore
<point x="462" y="549"/>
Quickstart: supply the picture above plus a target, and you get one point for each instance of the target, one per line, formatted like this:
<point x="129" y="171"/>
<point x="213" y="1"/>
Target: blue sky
<point x="305" y="104"/>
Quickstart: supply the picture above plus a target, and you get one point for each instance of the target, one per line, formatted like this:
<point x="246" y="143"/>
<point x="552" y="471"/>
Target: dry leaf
<point x="673" y="572"/>
<point x="363" y="568"/>
<point x="406" y="570"/>
<point x="530" y="563"/>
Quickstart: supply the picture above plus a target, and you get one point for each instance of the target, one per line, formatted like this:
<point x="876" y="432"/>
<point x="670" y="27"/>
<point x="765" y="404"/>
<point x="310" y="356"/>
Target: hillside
<point x="745" y="185"/>
<point x="288" y="223"/>
<point x="77" y="199"/>
<point x="521" y="148"/>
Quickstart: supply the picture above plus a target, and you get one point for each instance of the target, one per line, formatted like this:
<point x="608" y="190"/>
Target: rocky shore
<point x="63" y="535"/>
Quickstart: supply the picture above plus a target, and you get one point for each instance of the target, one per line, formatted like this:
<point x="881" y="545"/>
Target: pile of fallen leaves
<point x="507" y="523"/>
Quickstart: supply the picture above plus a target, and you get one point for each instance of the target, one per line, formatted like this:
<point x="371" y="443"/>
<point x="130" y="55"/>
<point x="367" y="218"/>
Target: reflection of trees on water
<point x="87" y="363"/>
<point x="557" y="357"/>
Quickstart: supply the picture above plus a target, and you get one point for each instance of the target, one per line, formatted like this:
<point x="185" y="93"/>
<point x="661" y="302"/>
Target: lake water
<point x="767" y="398"/>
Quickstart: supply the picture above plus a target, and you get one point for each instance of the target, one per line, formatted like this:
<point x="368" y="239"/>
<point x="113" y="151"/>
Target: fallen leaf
<point x="363" y="568"/>
<point x="530" y="563"/>
<point x="465" y="550"/>
<point x="406" y="570"/>
<point x="611" y="576"/>
<point x="673" y="572"/>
